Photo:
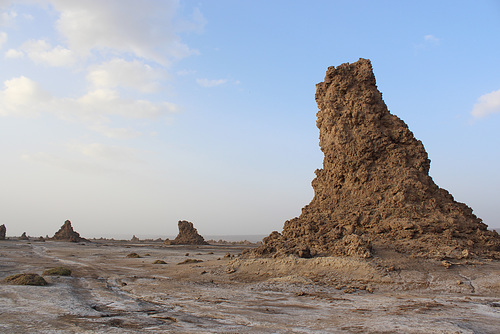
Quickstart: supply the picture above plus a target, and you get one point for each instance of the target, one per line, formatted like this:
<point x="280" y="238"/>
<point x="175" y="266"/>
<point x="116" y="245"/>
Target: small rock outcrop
<point x="374" y="189"/>
<point x="66" y="233"/>
<point x="188" y="235"/>
<point x="3" y="232"/>
<point x="134" y="239"/>
<point x="24" y="236"/>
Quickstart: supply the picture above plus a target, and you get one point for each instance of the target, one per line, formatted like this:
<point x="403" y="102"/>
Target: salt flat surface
<point x="110" y="293"/>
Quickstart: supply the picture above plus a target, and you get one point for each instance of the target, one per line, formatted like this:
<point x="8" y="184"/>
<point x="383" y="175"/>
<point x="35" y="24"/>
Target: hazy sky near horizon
<point x="126" y="116"/>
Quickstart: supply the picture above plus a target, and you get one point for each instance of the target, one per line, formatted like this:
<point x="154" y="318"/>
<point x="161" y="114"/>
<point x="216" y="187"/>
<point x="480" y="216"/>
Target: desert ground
<point x="108" y="292"/>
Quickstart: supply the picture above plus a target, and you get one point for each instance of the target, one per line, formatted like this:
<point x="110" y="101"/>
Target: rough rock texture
<point x="24" y="236"/>
<point x="3" y="231"/>
<point x="374" y="189"/>
<point x="66" y="233"/>
<point x="188" y="235"/>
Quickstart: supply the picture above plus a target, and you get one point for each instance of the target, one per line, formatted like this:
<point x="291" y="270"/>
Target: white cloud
<point x="125" y="45"/>
<point x="210" y="83"/>
<point x="23" y="97"/>
<point x="41" y="51"/>
<point x="7" y="18"/>
<point x="487" y="104"/>
<point x="143" y="28"/>
<point x="131" y="74"/>
<point x="109" y="102"/>
<point x="96" y="109"/>
<point x="11" y="53"/>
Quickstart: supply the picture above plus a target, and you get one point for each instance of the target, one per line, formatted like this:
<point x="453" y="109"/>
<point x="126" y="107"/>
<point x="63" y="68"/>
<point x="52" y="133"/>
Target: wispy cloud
<point x="113" y="153"/>
<point x="487" y="104"/>
<point x="432" y="39"/>
<point x="210" y="83"/>
<point x="23" y="97"/>
<point x="12" y="54"/>
<point x="122" y="48"/>
<point x="97" y="108"/>
<point x="91" y="158"/>
<point x="3" y="38"/>
<point x="130" y="74"/>
<point x="146" y="30"/>
<point x="7" y="18"/>
<point x="40" y="51"/>
<point x="428" y="41"/>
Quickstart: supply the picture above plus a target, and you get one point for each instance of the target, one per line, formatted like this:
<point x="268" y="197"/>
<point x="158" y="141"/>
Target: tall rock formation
<point x="374" y="189"/>
<point x="3" y="231"/>
<point x="188" y="235"/>
<point x="66" y="233"/>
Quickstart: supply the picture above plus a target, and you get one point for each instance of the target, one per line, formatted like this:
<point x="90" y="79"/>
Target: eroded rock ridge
<point x="374" y="189"/>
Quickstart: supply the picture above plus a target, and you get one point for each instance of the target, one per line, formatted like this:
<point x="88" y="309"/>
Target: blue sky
<point x="127" y="116"/>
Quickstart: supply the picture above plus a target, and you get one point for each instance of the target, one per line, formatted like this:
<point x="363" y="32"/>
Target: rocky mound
<point x="3" y="231"/>
<point x="66" y="233"/>
<point x="374" y="189"/>
<point x="24" y="236"/>
<point x="188" y="235"/>
<point x="26" y="279"/>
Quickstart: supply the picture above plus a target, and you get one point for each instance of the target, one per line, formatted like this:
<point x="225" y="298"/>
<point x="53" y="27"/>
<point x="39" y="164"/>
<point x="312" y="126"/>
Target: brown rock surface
<point x="188" y="235"/>
<point x="374" y="189"/>
<point x="3" y="231"/>
<point x="24" y="236"/>
<point x="66" y="233"/>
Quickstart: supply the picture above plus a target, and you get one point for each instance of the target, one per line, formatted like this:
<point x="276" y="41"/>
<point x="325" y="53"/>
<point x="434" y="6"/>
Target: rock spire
<point x="66" y="233"/>
<point x="374" y="189"/>
<point x="188" y="235"/>
<point x="3" y="231"/>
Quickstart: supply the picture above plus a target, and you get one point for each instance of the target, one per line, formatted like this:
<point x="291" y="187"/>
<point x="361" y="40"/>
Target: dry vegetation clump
<point x="159" y="262"/>
<point x="58" y="271"/>
<point x="26" y="279"/>
<point x="187" y="261"/>
<point x="133" y="256"/>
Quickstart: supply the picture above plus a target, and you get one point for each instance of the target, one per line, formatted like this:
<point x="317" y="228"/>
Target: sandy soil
<point x="110" y="293"/>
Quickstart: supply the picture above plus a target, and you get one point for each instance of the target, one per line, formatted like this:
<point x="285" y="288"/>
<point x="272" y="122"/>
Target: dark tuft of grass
<point x="26" y="279"/>
<point x="58" y="271"/>
<point x="187" y="261"/>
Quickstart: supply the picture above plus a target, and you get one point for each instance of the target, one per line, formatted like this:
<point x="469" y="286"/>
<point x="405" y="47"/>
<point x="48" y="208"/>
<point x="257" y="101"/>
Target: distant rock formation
<point x="374" y="189"/>
<point x="134" y="238"/>
<point x="66" y="233"/>
<point x="188" y="235"/>
<point x="3" y="232"/>
<point x="24" y="236"/>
